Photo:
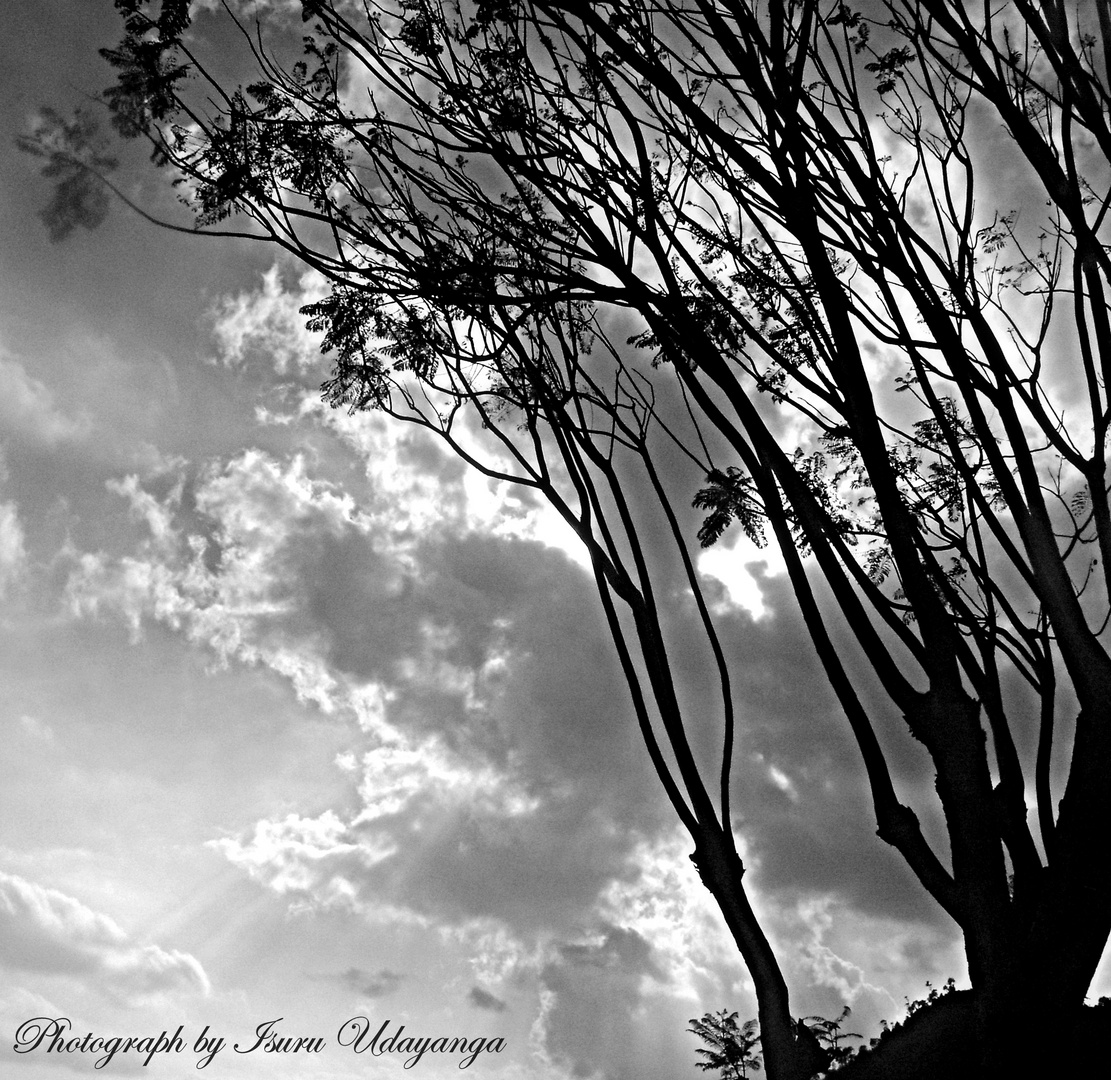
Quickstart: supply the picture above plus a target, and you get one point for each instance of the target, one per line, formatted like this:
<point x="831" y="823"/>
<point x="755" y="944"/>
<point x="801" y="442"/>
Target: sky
<point x="303" y="722"/>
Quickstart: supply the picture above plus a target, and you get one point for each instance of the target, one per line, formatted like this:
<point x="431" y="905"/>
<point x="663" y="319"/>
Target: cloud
<point x="45" y="931"/>
<point x="28" y="411"/>
<point x="618" y="949"/>
<point x="415" y="483"/>
<point x="266" y="323"/>
<point x="476" y="666"/>
<point x="13" y="551"/>
<point x="483" y="999"/>
<point x="665" y="903"/>
<point x="253" y="8"/>
<point x="503" y="797"/>
<point x="375" y="984"/>
<point x="308" y="858"/>
<point x="227" y="584"/>
<point x="501" y="780"/>
<point x="599" y="1015"/>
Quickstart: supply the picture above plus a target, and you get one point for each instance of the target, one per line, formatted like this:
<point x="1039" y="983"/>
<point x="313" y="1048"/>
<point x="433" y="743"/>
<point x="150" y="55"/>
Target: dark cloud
<point x="359" y="599"/>
<point x="533" y="871"/>
<point x="368" y="984"/>
<point x="495" y="648"/>
<point x="596" y="1022"/>
<point x="800" y="793"/>
<point x="425" y="452"/>
<point x="482" y="999"/>
<point x="495" y="661"/>
<point x="554" y="715"/>
<point x="620" y="949"/>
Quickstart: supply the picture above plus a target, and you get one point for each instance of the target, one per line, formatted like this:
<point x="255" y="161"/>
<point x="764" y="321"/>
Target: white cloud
<point x="741" y="569"/>
<point x="156" y="515"/>
<point x="13" y="551"/>
<point x="28" y="410"/>
<point x="227" y="585"/>
<point x="304" y="855"/>
<point x="419" y="483"/>
<point x="266" y="322"/>
<point x="783" y="782"/>
<point x="498" y="769"/>
<point x="849" y="979"/>
<point x="43" y="930"/>
<point x="666" y="904"/>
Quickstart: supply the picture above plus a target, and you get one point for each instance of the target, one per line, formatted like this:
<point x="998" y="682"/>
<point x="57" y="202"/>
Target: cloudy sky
<point x="301" y="720"/>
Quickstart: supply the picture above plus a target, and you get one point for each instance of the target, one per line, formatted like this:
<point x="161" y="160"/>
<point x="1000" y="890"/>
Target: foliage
<point x="76" y="160"/>
<point x="729" y="496"/>
<point x="731" y="1047"/>
<point x="933" y="995"/>
<point x="830" y="1035"/>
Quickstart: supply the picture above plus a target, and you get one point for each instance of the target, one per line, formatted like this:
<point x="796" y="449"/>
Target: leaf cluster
<point x="731" y="1047"/>
<point x="76" y="161"/>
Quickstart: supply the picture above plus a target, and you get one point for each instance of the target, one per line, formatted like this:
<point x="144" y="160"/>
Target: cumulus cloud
<point x="43" y="930"/>
<point x="227" y="584"/>
<point x="415" y="483"/>
<point x="264" y="323"/>
<point x="475" y="665"/>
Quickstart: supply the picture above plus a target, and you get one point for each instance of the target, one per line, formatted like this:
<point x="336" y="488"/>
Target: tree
<point x="634" y="234"/>
<point x="731" y="1047"/>
<point x="828" y="1032"/>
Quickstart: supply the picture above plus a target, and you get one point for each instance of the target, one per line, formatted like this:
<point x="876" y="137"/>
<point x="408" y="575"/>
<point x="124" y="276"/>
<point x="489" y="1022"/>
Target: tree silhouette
<point x="754" y="255"/>
<point x="828" y="1032"/>
<point x="731" y="1047"/>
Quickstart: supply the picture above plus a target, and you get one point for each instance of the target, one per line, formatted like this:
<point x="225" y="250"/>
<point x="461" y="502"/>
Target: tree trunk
<point x="790" y="1051"/>
<point x="1031" y="1020"/>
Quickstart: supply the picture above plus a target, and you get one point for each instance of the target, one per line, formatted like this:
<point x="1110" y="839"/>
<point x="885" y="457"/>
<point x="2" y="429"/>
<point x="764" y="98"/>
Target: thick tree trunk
<point x="1072" y="918"/>
<point x="947" y="722"/>
<point x="790" y="1051"/>
<point x="1063" y="927"/>
<point x="1009" y="1030"/>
